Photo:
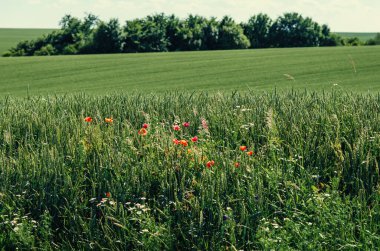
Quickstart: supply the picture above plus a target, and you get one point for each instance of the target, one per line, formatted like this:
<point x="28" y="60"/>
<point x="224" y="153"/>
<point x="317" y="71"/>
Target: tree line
<point x="160" y="33"/>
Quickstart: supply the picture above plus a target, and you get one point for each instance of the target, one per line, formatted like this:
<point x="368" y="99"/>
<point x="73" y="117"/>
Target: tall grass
<point x="312" y="182"/>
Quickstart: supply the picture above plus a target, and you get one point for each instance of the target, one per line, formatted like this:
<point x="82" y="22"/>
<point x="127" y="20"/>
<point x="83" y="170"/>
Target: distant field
<point x="364" y="36"/>
<point x="10" y="37"/>
<point x="348" y="68"/>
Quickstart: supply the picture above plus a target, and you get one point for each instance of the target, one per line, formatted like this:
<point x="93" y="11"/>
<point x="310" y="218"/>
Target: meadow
<point x="315" y="69"/>
<point x="274" y="149"/>
<point x="9" y="37"/>
<point x="270" y="171"/>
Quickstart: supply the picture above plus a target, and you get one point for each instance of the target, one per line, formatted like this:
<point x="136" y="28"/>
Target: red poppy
<point x="145" y="126"/>
<point x="176" y="127"/>
<point x="143" y="132"/>
<point x="210" y="163"/>
<point x="243" y="148"/>
<point x="194" y="139"/>
<point x="108" y="120"/>
<point x="183" y="142"/>
<point x="186" y="124"/>
<point x="176" y="141"/>
<point x="237" y="164"/>
<point x="88" y="119"/>
<point x="250" y="153"/>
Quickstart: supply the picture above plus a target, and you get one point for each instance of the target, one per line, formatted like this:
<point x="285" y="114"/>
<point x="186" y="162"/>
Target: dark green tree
<point x="257" y="30"/>
<point x="107" y="37"/>
<point x="231" y="35"/>
<point x="293" y="30"/>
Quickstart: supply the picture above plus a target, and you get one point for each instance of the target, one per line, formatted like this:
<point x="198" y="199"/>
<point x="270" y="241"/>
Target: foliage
<point x="71" y="180"/>
<point x="293" y="30"/>
<point x="159" y="33"/>
<point x="257" y="30"/>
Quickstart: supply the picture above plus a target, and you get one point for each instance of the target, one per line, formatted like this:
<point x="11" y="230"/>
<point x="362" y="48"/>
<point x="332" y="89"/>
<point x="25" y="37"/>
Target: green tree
<point x="257" y="30"/>
<point x="145" y="35"/>
<point x="107" y="37"/>
<point x="231" y="35"/>
<point x="293" y="30"/>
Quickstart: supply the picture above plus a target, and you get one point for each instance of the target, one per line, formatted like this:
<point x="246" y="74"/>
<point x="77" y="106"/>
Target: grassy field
<point x="352" y="69"/>
<point x="250" y="168"/>
<point x="307" y="180"/>
<point x="10" y="37"/>
<point x="363" y="36"/>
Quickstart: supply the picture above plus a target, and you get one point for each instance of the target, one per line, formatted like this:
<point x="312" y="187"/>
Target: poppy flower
<point x="237" y="164"/>
<point x="243" y="148"/>
<point x="194" y="139"/>
<point x="108" y="120"/>
<point x="250" y="153"/>
<point x="108" y="194"/>
<point x="145" y="126"/>
<point x="210" y="163"/>
<point x="143" y="132"/>
<point x="176" y="141"/>
<point x="176" y="128"/>
<point x="88" y="119"/>
<point x="183" y="142"/>
<point x="186" y="124"/>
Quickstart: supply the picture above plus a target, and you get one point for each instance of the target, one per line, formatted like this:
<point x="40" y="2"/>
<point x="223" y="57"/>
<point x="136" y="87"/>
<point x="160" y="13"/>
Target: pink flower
<point x="145" y="126"/>
<point x="204" y="124"/>
<point x="176" y="127"/>
<point x="186" y="124"/>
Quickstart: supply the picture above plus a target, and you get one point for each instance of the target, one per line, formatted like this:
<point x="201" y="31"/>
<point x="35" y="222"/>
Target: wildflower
<point x="210" y="163"/>
<point x="194" y="139"/>
<point x="176" y="128"/>
<point x="237" y="164"/>
<point x="243" y="148"/>
<point x="108" y="120"/>
<point x="143" y="132"/>
<point x="250" y="153"/>
<point x="204" y="124"/>
<point x="189" y="151"/>
<point x="186" y="124"/>
<point x="108" y="194"/>
<point x="176" y="141"/>
<point x="88" y="119"/>
<point x="183" y="142"/>
<point x="145" y="126"/>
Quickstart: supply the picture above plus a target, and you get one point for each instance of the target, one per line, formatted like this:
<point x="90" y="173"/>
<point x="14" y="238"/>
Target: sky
<point x="340" y="15"/>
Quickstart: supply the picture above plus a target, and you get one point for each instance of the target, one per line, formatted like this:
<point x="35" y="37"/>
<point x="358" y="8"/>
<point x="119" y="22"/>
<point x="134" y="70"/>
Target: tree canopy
<point x="160" y="33"/>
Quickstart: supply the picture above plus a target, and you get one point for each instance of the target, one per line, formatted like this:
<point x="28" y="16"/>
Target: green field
<point x="10" y="37"/>
<point x="348" y="68"/>
<point x="308" y="179"/>
<point x="363" y="36"/>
